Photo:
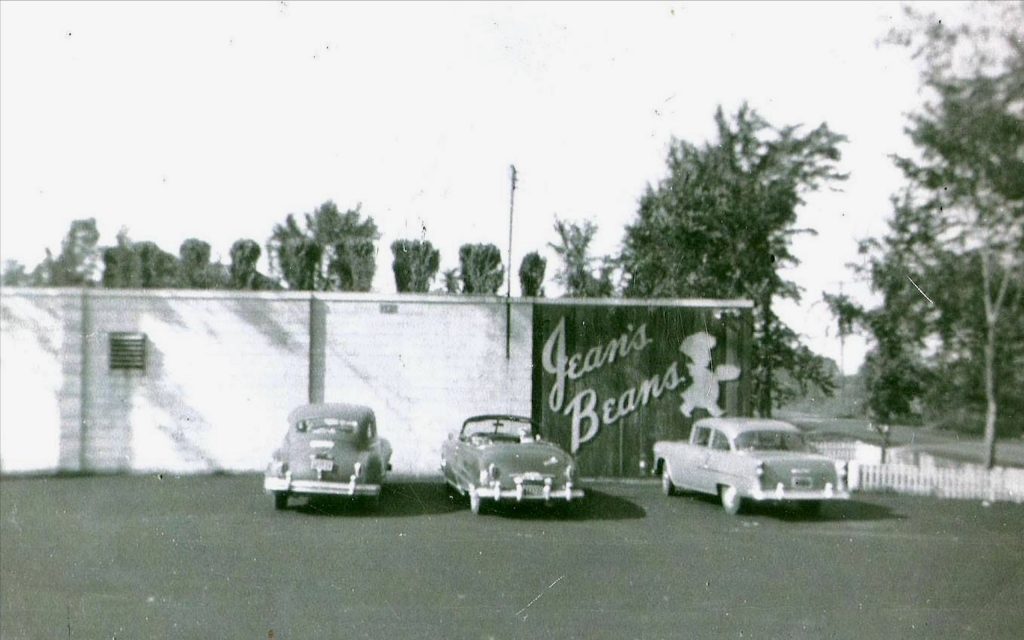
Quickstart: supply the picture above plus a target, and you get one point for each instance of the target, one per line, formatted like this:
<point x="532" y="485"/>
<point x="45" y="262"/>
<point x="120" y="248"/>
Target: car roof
<point x="330" y="410"/>
<point x="732" y="427"/>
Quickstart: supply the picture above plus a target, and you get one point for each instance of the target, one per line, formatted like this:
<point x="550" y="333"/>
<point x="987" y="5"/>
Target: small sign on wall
<point x="388" y="307"/>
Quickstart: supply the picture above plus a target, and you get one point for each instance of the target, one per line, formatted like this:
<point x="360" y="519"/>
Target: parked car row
<point x="334" y="450"/>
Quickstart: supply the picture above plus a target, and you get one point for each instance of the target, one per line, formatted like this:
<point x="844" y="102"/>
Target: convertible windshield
<point x="504" y="428"/>
<point x="770" y="441"/>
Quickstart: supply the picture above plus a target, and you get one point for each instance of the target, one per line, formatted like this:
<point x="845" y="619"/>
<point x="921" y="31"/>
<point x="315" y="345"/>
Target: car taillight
<point x="493" y="472"/>
<point x="357" y="468"/>
<point x="570" y="471"/>
<point x="760" y="470"/>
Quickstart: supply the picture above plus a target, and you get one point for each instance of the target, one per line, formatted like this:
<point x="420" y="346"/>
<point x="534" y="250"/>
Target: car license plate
<point x="802" y="483"/>
<point x="319" y="464"/>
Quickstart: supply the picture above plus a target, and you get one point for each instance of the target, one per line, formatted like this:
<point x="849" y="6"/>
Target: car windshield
<point x="770" y="441"/>
<point x="503" y="428"/>
<point x="328" y="427"/>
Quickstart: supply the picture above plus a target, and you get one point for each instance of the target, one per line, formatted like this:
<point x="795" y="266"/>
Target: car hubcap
<point x="666" y="481"/>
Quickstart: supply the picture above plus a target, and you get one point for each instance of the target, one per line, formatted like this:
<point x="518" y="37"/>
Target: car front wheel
<point x="280" y="500"/>
<point x="731" y="500"/>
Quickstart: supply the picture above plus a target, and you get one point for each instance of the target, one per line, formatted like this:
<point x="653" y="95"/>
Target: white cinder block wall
<point x="224" y="369"/>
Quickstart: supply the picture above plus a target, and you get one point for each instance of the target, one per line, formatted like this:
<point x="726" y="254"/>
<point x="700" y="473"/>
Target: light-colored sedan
<point x="750" y="459"/>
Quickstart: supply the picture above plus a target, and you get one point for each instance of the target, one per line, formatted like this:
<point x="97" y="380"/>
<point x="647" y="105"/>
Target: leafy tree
<point x="452" y="281"/>
<point x="720" y="225"/>
<point x="138" y="265"/>
<point x="415" y="265"/>
<point x="197" y="272"/>
<point x="480" y="268"/>
<point x="242" y="274"/>
<point x="531" y="275"/>
<point x="958" y="228"/>
<point x="77" y="264"/>
<point x="16" y="275"/>
<point x="847" y="313"/>
<point x="577" y="271"/>
<point x="334" y="251"/>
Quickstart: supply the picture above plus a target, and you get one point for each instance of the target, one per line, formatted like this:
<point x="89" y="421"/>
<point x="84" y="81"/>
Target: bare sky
<point x="216" y="120"/>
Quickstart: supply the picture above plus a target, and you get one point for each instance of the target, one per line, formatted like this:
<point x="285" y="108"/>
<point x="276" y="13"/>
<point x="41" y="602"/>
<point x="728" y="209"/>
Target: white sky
<point x="216" y="120"/>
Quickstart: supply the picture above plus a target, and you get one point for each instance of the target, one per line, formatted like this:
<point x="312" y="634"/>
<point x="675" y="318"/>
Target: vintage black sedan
<point x="502" y="458"/>
<point x="329" y="450"/>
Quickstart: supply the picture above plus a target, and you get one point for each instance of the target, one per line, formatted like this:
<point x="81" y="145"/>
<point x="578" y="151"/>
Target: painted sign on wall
<point x="610" y="380"/>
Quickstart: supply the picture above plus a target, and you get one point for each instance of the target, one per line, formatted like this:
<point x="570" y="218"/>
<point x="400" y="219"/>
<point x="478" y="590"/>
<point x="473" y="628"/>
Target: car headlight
<point x="493" y="472"/>
<point x="570" y="472"/>
<point x="760" y="470"/>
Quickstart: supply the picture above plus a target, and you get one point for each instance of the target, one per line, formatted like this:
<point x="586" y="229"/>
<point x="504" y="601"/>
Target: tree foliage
<point x="951" y="263"/>
<point x="332" y="251"/>
<point x="582" y="275"/>
<point x="138" y="265"/>
<point x="531" y="275"/>
<point x="720" y="226"/>
<point x="480" y="268"/>
<point x="415" y="264"/>
<point x="196" y="270"/>
<point x="242" y="274"/>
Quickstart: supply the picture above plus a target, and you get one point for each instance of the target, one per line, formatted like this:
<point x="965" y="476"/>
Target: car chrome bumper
<point x="531" y="494"/>
<point x="319" y="487"/>
<point x="781" y="493"/>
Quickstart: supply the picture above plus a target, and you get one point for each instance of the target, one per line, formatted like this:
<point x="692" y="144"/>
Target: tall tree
<point x="415" y="264"/>
<point x="242" y="274"/>
<point x="197" y="272"/>
<point x="138" y="265"/>
<point x="720" y="225"/>
<point x="452" y="281"/>
<point x="531" y="275"/>
<point x="77" y="264"/>
<point x="958" y="229"/>
<point x="333" y="251"/>
<point x="15" y="274"/>
<point x="582" y="275"/>
<point x="480" y="268"/>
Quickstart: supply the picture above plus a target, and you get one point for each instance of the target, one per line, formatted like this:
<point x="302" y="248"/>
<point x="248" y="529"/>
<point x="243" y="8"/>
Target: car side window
<point x="719" y="442"/>
<point x="703" y="435"/>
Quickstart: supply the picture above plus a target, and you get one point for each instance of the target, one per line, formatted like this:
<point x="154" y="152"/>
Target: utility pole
<point x="508" y="290"/>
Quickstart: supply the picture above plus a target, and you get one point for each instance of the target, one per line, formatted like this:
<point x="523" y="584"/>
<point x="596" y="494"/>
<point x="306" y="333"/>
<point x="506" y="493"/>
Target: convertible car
<point x="503" y="458"/>
<point x="750" y="459"/>
<point x="329" y="450"/>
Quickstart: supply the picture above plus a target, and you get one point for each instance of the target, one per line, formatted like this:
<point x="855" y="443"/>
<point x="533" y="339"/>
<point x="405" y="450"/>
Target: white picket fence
<point x="968" y="482"/>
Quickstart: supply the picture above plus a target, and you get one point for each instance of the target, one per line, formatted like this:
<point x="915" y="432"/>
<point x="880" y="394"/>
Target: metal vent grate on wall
<point x="127" y="350"/>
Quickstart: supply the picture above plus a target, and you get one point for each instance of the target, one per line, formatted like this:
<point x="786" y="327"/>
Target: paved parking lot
<point x="145" y="557"/>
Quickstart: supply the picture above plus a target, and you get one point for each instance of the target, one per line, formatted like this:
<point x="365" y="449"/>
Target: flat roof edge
<point x="344" y="296"/>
